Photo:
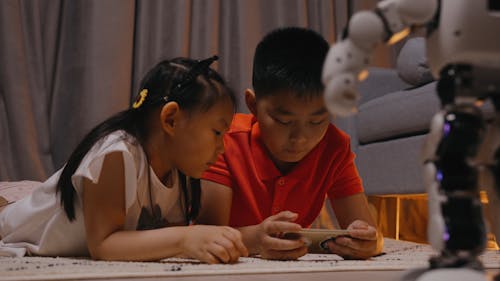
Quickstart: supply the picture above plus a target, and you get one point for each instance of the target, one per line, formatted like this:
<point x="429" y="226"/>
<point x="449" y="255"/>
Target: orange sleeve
<point x="219" y="172"/>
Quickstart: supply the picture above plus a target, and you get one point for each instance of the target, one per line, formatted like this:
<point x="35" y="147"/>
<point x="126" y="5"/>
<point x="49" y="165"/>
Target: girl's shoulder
<point x="118" y="141"/>
<point x="134" y="160"/>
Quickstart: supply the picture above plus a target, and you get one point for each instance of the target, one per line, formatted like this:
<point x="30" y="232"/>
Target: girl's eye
<point x="217" y="133"/>
<point x="318" y="122"/>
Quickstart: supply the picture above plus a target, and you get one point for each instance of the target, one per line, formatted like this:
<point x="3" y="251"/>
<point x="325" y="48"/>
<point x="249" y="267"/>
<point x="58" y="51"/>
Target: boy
<point x="281" y="161"/>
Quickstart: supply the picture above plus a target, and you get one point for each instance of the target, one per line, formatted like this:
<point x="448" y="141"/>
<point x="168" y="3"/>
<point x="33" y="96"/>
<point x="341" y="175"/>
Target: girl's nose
<point x="219" y="149"/>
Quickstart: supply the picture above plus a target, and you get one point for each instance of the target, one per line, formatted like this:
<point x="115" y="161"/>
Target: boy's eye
<point x="282" y="122"/>
<point x="317" y="122"/>
<point x="217" y="133"/>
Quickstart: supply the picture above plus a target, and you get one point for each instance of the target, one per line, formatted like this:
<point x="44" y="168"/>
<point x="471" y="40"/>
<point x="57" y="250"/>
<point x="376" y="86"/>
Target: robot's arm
<point x="347" y="60"/>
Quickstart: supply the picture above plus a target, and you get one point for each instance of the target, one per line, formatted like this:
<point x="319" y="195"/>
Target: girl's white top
<point x="38" y="225"/>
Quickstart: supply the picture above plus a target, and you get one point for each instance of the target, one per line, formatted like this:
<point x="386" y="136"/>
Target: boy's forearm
<point x="249" y="235"/>
<point x="146" y="245"/>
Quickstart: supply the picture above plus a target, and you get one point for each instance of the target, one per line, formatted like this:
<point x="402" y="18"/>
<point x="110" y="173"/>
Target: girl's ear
<point x="168" y="116"/>
<point x="250" y="101"/>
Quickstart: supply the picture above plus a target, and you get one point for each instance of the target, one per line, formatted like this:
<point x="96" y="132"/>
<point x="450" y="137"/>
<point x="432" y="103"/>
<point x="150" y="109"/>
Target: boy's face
<point x="290" y="126"/>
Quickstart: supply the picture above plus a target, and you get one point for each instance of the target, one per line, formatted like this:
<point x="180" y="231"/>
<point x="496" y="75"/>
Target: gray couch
<point x="394" y="116"/>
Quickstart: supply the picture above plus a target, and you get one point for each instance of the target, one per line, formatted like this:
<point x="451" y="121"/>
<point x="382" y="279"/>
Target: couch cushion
<point x="412" y="62"/>
<point x="391" y="167"/>
<point x="397" y="114"/>
<point x="371" y="88"/>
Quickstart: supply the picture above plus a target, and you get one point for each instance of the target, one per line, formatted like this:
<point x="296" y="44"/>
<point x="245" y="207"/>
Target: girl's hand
<point x="364" y="242"/>
<point x="271" y="246"/>
<point x="213" y="244"/>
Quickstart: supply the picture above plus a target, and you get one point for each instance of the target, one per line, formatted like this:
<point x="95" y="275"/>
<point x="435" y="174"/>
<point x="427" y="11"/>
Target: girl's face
<point x="198" y="137"/>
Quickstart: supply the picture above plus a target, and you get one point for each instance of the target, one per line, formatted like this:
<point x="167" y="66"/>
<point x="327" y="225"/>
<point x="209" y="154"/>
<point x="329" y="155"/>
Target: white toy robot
<point x="461" y="155"/>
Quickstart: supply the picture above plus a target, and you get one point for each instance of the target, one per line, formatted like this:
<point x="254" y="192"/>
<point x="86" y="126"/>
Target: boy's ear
<point x="168" y="116"/>
<point x="251" y="101"/>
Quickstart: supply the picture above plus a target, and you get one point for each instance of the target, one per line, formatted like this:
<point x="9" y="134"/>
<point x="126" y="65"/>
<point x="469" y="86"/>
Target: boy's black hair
<point x="190" y="83"/>
<point x="289" y="59"/>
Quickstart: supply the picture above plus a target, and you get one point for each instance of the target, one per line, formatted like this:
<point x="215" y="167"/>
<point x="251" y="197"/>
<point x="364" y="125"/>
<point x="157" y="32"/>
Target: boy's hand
<point x="271" y="246"/>
<point x="363" y="243"/>
<point x="214" y="244"/>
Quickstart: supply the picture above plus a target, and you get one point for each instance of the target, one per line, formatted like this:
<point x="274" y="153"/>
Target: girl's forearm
<point x="144" y="245"/>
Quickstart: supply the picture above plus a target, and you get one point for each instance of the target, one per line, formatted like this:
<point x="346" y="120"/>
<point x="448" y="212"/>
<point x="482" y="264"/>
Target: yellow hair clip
<point x="140" y="99"/>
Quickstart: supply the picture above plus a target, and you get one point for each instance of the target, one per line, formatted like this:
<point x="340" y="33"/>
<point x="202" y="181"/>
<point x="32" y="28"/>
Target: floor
<point x="315" y="276"/>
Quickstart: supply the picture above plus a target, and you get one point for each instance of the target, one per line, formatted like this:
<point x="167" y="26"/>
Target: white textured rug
<point x="399" y="255"/>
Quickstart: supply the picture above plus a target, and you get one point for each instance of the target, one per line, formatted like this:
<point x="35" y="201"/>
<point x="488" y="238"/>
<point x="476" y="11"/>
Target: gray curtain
<point x="67" y="65"/>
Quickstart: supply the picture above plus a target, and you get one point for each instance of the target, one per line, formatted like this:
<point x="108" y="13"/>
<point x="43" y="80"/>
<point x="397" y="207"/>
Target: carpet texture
<point x="399" y="255"/>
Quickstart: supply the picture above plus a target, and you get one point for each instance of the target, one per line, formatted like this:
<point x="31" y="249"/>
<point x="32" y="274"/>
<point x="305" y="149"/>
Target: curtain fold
<point x="93" y="68"/>
<point x="25" y="81"/>
<point x="69" y="64"/>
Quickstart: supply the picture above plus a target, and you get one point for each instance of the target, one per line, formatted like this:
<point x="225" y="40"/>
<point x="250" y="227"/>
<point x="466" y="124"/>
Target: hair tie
<point x="140" y="99"/>
<point x="199" y="67"/>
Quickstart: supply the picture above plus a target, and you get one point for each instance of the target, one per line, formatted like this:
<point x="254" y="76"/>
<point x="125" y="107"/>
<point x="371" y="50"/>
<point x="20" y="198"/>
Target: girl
<point x="130" y="188"/>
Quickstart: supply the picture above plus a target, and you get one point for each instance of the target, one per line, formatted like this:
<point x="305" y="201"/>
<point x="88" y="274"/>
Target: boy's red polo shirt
<point x="260" y="190"/>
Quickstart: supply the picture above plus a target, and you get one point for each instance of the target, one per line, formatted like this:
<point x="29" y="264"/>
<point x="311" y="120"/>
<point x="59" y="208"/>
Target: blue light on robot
<point x="446" y="235"/>
<point x="446" y="128"/>
<point x="439" y="176"/>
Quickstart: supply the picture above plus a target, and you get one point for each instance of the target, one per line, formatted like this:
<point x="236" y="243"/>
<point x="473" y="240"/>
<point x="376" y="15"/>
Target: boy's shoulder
<point x="334" y="133"/>
<point x="335" y="138"/>
<point x="242" y="123"/>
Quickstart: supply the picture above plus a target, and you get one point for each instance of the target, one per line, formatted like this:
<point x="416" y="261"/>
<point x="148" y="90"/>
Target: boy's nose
<point x="298" y="136"/>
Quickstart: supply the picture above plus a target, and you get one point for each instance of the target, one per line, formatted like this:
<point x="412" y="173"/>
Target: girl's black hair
<point x="190" y="83"/>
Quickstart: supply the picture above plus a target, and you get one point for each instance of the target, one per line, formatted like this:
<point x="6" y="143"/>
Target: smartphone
<point x="316" y="238"/>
